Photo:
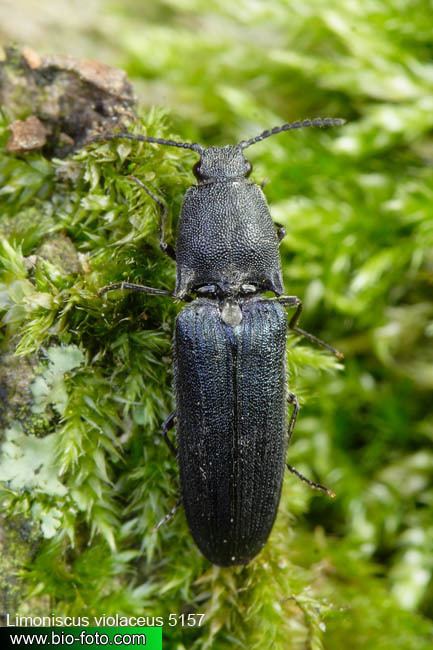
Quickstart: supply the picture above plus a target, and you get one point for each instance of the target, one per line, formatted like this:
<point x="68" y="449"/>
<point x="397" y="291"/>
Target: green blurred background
<point x="356" y="204"/>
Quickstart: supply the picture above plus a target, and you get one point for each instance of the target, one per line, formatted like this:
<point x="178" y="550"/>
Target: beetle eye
<point x="196" y="170"/>
<point x="249" y="168"/>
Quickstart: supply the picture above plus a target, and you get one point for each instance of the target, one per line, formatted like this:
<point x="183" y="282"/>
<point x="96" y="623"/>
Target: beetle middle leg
<point x="294" y="301"/>
<point x="292" y="399"/>
<point x="163" y="212"/>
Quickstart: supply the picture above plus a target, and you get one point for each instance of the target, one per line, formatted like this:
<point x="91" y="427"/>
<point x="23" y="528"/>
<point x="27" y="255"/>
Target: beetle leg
<point x="167" y="425"/>
<point x="169" y="516"/>
<point x="313" y="485"/>
<point x="294" y="301"/>
<point x="292" y="399"/>
<point x="163" y="212"/>
<point x="134" y="287"/>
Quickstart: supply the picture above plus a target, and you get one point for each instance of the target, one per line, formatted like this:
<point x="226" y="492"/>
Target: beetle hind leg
<point x="312" y="484"/>
<point x="167" y="425"/>
<point x="169" y="516"/>
<point x="292" y="399"/>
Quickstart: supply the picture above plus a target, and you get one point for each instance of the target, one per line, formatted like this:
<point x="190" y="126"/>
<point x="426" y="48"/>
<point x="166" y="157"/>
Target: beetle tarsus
<point x="313" y="485"/>
<point x="317" y="341"/>
<point x="169" y="516"/>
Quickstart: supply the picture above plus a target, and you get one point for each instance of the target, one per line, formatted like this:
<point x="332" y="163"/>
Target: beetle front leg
<point x="294" y="301"/>
<point x="163" y="212"/>
<point x="134" y="287"/>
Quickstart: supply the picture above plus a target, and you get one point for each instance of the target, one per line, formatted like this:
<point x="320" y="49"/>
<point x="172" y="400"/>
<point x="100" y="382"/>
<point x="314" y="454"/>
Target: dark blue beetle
<point x="229" y="352"/>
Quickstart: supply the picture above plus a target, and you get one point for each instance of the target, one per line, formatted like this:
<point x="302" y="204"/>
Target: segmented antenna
<point x="320" y="122"/>
<point x="146" y="138"/>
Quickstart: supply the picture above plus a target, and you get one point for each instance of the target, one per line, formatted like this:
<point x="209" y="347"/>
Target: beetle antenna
<point x="320" y="122"/>
<point x="146" y="138"/>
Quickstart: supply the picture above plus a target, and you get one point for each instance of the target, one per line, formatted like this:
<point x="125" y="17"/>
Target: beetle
<point x="229" y="351"/>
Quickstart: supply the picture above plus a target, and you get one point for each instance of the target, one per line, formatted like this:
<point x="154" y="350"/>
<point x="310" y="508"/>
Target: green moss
<point x="356" y="204"/>
<point x="18" y="544"/>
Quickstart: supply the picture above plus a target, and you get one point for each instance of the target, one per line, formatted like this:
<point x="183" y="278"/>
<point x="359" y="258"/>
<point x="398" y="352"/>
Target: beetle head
<point x="221" y="163"/>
